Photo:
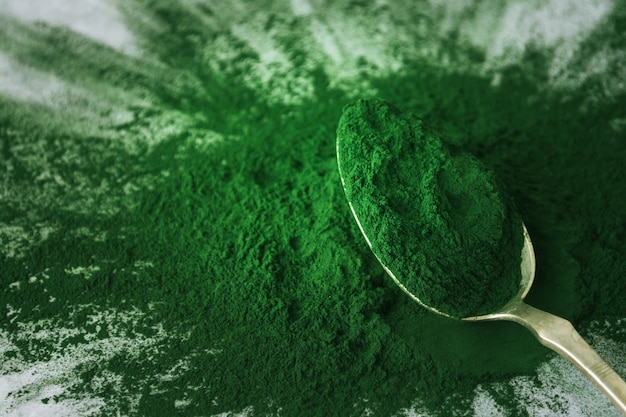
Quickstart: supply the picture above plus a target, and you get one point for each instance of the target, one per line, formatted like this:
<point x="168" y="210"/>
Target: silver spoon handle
<point x="559" y="335"/>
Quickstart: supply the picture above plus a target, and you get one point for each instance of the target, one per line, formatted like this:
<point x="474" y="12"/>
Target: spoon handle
<point x="559" y="335"/>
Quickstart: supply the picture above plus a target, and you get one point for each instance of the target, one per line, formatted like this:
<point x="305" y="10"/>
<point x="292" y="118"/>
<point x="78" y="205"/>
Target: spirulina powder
<point x="436" y="218"/>
<point x="176" y="240"/>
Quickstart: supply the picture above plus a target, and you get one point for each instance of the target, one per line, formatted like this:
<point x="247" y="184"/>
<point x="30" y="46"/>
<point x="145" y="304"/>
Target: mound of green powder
<point x="436" y="218"/>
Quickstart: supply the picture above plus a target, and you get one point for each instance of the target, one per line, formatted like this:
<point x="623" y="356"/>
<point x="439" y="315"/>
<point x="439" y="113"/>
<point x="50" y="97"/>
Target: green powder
<point x="176" y="241"/>
<point x="436" y="219"/>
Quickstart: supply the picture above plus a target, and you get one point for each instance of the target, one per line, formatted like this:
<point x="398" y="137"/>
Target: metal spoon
<point x="552" y="331"/>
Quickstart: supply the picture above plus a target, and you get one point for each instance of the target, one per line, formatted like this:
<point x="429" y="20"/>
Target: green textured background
<point x="173" y="236"/>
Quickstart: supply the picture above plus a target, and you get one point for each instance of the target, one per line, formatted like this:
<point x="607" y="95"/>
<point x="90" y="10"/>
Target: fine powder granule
<point x="175" y="206"/>
<point x="437" y="219"/>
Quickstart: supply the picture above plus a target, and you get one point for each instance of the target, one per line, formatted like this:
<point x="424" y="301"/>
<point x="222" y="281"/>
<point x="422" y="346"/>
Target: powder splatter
<point x="182" y="174"/>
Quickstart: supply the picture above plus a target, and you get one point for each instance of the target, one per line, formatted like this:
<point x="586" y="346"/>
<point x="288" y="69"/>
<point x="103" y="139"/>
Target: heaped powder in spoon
<point x="434" y="216"/>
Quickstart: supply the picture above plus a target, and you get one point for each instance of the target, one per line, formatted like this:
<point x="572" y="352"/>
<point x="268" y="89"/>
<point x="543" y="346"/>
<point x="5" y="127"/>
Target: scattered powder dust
<point x="96" y="19"/>
<point x="514" y="26"/>
<point x="301" y="7"/>
<point x="53" y="386"/>
<point x="507" y="32"/>
<point x="557" y="390"/>
<point x="15" y="240"/>
<point x="123" y="126"/>
<point x="484" y="404"/>
<point x="28" y="84"/>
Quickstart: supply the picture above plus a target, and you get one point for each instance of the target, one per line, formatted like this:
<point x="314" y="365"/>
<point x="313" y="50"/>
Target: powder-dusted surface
<point x="437" y="219"/>
<point x="175" y="239"/>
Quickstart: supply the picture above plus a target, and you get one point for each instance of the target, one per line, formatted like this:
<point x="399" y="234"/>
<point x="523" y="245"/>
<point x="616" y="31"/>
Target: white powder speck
<point x="245" y="413"/>
<point x="85" y="271"/>
<point x="301" y="7"/>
